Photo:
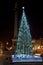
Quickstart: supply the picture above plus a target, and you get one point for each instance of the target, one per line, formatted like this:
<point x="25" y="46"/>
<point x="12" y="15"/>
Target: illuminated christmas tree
<point x="24" y="42"/>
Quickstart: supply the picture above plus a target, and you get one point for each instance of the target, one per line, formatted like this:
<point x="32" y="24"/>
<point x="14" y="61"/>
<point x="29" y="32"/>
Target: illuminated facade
<point x="38" y="45"/>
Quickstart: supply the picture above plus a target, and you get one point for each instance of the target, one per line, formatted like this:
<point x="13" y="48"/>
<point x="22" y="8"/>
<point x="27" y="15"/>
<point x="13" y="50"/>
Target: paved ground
<point x="1" y="60"/>
<point x="4" y="58"/>
<point x="25" y="63"/>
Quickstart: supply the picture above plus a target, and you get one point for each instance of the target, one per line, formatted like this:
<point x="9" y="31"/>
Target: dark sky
<point x="34" y="13"/>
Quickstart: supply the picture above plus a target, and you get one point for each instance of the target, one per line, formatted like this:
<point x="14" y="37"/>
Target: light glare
<point x="22" y="7"/>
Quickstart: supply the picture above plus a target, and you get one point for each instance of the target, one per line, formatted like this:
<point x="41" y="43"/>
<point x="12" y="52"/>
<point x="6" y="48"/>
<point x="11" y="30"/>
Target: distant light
<point x="38" y="47"/>
<point x="7" y="43"/>
<point x="37" y="54"/>
<point x="10" y="48"/>
<point x="22" y="7"/>
<point x="33" y="41"/>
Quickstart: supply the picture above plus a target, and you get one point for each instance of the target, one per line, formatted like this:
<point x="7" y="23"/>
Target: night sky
<point x="34" y="13"/>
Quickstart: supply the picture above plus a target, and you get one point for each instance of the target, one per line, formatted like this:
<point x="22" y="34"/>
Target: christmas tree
<point x="24" y="42"/>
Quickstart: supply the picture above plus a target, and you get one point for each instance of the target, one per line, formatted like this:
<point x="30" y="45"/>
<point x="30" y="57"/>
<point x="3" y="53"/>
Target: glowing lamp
<point x="7" y="43"/>
<point x="38" y="47"/>
<point x="22" y="7"/>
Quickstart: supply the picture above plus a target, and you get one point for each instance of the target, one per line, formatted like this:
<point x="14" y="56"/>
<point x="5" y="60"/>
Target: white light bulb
<point x="22" y="7"/>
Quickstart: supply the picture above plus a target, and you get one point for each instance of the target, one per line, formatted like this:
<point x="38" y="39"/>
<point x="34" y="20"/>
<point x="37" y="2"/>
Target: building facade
<point x="38" y="45"/>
